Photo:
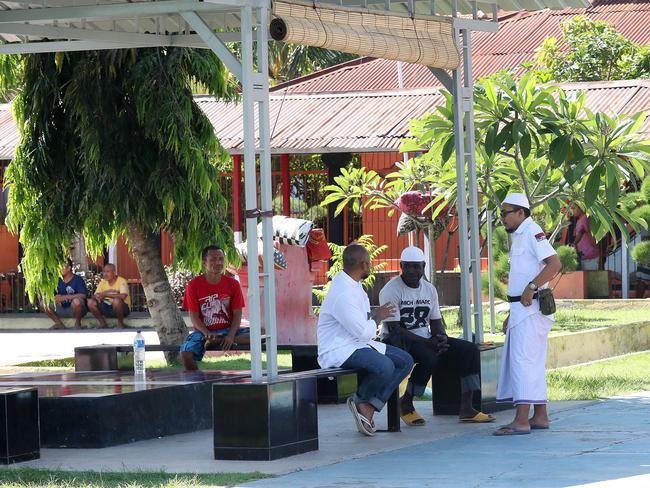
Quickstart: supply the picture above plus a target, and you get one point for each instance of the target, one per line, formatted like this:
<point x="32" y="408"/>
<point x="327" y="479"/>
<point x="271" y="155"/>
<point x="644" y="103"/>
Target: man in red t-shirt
<point x="215" y="303"/>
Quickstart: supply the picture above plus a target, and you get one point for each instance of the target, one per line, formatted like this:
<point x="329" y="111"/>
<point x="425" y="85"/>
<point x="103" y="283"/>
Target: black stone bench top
<point x="159" y="347"/>
<point x="171" y="347"/>
<point x="293" y="375"/>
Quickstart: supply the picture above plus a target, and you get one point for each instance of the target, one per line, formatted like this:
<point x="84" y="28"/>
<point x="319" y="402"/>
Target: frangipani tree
<point x="409" y="190"/>
<point x="531" y="138"/>
<point x="536" y="139"/>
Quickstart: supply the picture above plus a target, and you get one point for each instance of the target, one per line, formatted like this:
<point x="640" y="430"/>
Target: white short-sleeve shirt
<point x="414" y="307"/>
<point x="529" y="249"/>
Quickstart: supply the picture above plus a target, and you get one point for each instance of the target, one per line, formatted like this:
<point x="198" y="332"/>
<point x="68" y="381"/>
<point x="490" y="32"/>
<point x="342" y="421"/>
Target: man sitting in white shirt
<point x="346" y="328"/>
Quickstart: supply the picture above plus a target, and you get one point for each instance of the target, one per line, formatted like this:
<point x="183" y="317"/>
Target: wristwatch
<point x="532" y="286"/>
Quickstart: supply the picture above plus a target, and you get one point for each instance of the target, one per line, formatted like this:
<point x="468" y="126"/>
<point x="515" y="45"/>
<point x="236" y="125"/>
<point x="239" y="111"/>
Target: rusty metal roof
<point x="378" y="121"/>
<point x="362" y="122"/>
<point x="519" y="35"/>
<point x="358" y="121"/>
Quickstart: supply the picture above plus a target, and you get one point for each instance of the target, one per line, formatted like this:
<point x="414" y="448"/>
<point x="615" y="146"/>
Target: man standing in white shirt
<point x="346" y="328"/>
<point x="533" y="263"/>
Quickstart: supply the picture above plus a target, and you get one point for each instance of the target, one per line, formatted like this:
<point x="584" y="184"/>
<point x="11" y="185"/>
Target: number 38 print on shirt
<point x="415" y="307"/>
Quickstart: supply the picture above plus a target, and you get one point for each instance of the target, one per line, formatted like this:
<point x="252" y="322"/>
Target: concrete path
<point x="591" y="444"/>
<point x="603" y="444"/>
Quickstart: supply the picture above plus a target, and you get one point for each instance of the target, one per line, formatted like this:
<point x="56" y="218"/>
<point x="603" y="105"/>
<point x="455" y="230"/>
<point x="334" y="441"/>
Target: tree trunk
<point x="163" y="309"/>
<point x="78" y="253"/>
<point x="432" y="254"/>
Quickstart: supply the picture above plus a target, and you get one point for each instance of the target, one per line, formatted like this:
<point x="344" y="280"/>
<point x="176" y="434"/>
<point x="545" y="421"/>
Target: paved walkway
<point x="603" y="444"/>
<point x="594" y="444"/>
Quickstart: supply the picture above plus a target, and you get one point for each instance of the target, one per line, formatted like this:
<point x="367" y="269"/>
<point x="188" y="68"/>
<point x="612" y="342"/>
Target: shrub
<point x="641" y="253"/>
<point x="645" y="189"/>
<point x="178" y="280"/>
<point x="644" y="213"/>
<point x="499" y="240"/>
<point x="502" y="268"/>
<point x="500" y="290"/>
<point x="568" y="257"/>
<point x="92" y="280"/>
<point x="631" y="201"/>
<point x="337" y="264"/>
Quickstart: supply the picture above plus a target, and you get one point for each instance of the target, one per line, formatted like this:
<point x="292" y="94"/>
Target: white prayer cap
<point x="412" y="254"/>
<point x="518" y="199"/>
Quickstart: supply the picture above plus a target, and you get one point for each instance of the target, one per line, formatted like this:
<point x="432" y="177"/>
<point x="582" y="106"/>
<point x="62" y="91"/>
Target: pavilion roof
<point x="358" y="121"/>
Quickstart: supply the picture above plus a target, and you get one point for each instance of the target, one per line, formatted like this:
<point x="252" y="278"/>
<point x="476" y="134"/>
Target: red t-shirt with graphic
<point x="214" y="303"/>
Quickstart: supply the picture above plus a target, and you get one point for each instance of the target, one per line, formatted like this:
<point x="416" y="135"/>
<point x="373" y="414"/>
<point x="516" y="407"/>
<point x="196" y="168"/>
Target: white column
<point x="625" y="268"/>
<point x="490" y="268"/>
<point x="250" y="190"/>
<point x="472" y="186"/>
<point x="262" y="97"/>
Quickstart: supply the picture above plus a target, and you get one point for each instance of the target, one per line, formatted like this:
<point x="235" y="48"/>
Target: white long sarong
<point x="522" y="379"/>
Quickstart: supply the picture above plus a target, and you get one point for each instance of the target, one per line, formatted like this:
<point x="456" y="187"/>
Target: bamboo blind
<point x="415" y="40"/>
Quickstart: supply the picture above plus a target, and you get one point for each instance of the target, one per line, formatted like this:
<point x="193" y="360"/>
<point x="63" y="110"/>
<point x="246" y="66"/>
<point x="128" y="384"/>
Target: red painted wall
<point x="384" y="227"/>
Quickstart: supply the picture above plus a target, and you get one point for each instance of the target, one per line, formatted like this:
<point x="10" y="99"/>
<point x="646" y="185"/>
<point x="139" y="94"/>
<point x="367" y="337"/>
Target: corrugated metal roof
<point x="358" y="121"/>
<point x="9" y="136"/>
<point x="519" y="35"/>
<point x="319" y="123"/>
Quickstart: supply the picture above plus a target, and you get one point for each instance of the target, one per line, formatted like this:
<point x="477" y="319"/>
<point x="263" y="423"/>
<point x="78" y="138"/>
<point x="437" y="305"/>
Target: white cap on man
<point x="518" y="199"/>
<point x="412" y="254"/>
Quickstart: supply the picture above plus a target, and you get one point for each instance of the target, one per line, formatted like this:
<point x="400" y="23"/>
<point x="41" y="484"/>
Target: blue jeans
<point x="382" y="373"/>
<point x="195" y="342"/>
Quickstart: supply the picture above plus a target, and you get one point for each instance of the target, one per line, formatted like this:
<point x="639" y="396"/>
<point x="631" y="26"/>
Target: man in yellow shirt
<point x="111" y="298"/>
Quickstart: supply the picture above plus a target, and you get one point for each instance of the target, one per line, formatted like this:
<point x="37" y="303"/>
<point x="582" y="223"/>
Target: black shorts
<point x="107" y="309"/>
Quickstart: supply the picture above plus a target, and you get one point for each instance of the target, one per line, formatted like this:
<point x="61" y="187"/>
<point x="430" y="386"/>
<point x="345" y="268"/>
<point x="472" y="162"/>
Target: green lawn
<point x="235" y="360"/>
<point x="37" y="478"/>
<point x="570" y="317"/>
<point x="611" y="377"/>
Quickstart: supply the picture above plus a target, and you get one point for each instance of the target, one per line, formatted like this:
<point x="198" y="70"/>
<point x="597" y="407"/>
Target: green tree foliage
<point x="289" y="61"/>
<point x="113" y="143"/>
<point x="10" y="76"/>
<point x="535" y="139"/>
<point x="568" y="257"/>
<point x="595" y="51"/>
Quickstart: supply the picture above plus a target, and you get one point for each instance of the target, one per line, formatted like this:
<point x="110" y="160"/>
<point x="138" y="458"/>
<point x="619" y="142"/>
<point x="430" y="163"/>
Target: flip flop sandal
<point x="363" y="424"/>
<point x="506" y="430"/>
<point x="413" y="419"/>
<point x="539" y="427"/>
<point x="479" y="418"/>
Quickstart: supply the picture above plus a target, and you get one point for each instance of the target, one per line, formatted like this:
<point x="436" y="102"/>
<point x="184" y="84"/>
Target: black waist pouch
<point x="546" y="301"/>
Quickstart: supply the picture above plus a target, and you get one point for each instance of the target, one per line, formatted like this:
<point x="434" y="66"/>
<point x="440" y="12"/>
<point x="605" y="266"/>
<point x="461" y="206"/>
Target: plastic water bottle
<point x="138" y="355"/>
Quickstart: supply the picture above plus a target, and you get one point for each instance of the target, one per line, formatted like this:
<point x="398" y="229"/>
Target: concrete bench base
<point x="274" y="419"/>
<point x="446" y="386"/>
<point x="265" y="421"/>
<point x="19" y="425"/>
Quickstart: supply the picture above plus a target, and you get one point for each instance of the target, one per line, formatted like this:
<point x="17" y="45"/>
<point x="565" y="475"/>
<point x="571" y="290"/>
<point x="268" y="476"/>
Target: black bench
<point x="19" y="425"/>
<point x="275" y="418"/>
<point x="445" y="395"/>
